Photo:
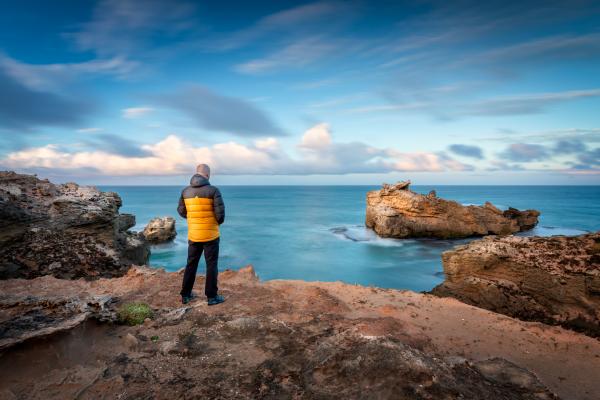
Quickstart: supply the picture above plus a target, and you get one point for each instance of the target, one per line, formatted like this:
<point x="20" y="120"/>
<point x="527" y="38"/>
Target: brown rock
<point x="270" y="340"/>
<point x="554" y="280"/>
<point x="68" y="231"/>
<point x="160" y="230"/>
<point x="396" y="211"/>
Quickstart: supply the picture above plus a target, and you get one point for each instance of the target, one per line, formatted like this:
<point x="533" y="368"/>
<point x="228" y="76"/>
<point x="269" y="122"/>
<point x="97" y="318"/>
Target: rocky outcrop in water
<point x="68" y="231"/>
<point x="398" y="212"/>
<point x="554" y="280"/>
<point x="160" y="230"/>
<point x="279" y="339"/>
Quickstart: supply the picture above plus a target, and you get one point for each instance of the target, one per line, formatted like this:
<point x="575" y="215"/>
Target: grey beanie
<point x="204" y="170"/>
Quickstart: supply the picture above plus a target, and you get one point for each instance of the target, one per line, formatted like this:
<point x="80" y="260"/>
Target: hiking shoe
<point x="218" y="299"/>
<point x="187" y="299"/>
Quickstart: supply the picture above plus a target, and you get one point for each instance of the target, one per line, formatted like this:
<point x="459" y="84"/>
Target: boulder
<point x="68" y="231"/>
<point x="160" y="230"/>
<point x="555" y="280"/>
<point x="398" y="212"/>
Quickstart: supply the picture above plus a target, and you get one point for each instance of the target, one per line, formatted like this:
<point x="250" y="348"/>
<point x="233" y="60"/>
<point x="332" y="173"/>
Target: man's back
<point x="202" y="205"/>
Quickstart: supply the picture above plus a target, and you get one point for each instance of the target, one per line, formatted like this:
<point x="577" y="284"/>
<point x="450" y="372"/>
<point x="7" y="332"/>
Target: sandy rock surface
<point x="287" y="339"/>
<point x="68" y="231"/>
<point x="396" y="211"/>
<point x="555" y="280"/>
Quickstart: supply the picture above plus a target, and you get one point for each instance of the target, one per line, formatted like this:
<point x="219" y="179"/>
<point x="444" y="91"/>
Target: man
<point x="202" y="205"/>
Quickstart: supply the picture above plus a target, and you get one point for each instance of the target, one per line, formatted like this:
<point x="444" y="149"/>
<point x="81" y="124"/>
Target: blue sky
<point x="128" y="92"/>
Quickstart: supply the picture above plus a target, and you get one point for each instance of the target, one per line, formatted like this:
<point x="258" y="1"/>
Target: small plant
<point x="134" y="313"/>
<point x="154" y="338"/>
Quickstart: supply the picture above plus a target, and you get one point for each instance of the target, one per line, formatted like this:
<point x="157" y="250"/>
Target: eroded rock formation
<point x="280" y="339"/>
<point x="554" y="280"/>
<point x="68" y="231"/>
<point x="398" y="212"/>
<point x="160" y="230"/>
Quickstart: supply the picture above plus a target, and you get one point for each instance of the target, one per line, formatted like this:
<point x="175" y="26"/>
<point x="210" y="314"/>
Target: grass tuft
<point x="134" y="313"/>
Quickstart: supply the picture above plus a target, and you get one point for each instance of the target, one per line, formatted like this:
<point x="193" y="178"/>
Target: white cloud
<point x="318" y="154"/>
<point x="136" y="112"/>
<point x="89" y="130"/>
<point x="317" y="137"/>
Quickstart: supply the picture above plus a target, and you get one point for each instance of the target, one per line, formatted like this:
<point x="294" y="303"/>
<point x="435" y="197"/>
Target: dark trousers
<point x="211" y="255"/>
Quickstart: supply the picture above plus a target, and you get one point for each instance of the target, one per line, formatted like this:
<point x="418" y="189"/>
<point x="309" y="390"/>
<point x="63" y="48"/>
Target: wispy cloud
<point x="222" y="113"/>
<point x="295" y="55"/>
<point x="520" y="104"/>
<point x="123" y="27"/>
<point x="89" y="130"/>
<point x="136" y="112"/>
<point x="55" y="76"/>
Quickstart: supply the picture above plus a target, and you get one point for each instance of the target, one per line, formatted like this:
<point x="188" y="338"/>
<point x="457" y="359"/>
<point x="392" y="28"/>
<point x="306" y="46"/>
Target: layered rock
<point x="160" y="230"/>
<point x="555" y="280"/>
<point x="398" y="212"/>
<point x="68" y="231"/>
<point x="280" y="339"/>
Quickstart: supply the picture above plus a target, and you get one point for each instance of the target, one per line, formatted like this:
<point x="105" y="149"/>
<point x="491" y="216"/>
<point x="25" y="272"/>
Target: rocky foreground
<point x="555" y="280"/>
<point x="398" y="212"/>
<point x="277" y="340"/>
<point x="68" y="231"/>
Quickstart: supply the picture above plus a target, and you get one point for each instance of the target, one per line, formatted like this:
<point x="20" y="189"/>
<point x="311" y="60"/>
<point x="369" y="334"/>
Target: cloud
<point x="524" y="152"/>
<point x="495" y="106"/>
<point x="298" y="54"/>
<point x="22" y="107"/>
<point x="589" y="160"/>
<point x="318" y="153"/>
<point x="121" y="27"/>
<point x="89" y="130"/>
<point x="293" y="22"/>
<point x="221" y="113"/>
<point x="136" y="112"/>
<point x="524" y="104"/>
<point x="466" y="150"/>
<point x="116" y="145"/>
<point x="569" y="146"/>
<point x="55" y="76"/>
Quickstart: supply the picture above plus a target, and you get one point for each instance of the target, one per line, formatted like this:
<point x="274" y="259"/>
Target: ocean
<point x="317" y="233"/>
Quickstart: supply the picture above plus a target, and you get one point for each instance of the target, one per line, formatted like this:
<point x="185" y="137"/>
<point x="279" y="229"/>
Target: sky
<point x="359" y="92"/>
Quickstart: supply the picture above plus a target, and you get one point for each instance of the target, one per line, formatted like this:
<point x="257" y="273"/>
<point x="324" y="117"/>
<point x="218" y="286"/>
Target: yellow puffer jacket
<point x="202" y="205"/>
<point x="202" y="224"/>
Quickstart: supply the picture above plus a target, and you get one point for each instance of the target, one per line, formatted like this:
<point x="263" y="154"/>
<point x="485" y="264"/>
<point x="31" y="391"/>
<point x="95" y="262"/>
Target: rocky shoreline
<point x="283" y="339"/>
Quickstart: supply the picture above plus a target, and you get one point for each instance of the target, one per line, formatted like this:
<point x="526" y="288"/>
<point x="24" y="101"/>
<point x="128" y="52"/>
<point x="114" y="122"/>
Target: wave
<point x="362" y="234"/>
<point x="552" y="231"/>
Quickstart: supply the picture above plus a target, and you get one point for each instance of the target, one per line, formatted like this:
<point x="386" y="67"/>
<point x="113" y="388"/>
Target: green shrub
<point x="134" y="313"/>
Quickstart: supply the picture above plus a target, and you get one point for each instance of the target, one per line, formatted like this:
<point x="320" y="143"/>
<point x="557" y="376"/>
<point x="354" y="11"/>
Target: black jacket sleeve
<point x="218" y="207"/>
<point x="181" y="207"/>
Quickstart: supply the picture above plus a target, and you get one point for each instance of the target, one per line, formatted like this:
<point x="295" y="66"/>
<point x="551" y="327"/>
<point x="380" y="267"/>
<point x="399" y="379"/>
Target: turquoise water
<point x="317" y="233"/>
